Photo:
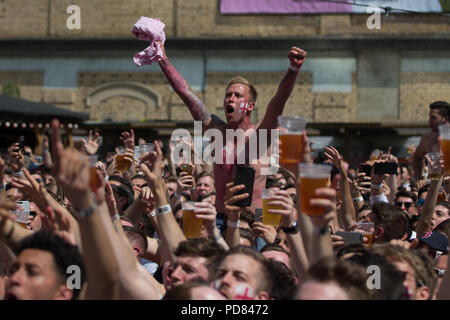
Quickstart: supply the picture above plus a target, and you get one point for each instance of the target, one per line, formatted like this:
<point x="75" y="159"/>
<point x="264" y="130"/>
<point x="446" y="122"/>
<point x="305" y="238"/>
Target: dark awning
<point x="25" y="108"/>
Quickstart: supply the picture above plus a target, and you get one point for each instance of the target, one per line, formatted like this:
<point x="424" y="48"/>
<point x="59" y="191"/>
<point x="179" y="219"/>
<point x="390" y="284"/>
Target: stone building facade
<point x="359" y="88"/>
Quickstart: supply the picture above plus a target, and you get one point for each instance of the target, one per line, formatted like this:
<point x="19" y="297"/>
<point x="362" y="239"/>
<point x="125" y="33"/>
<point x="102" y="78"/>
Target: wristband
<point x="151" y="214"/>
<point x="115" y="217"/>
<point x="83" y="213"/>
<point x="232" y="224"/>
<point x="2" y="186"/>
<point x="376" y="186"/>
<point x="358" y="199"/>
<point x="163" y="209"/>
<point x="293" y="68"/>
<point x="217" y="236"/>
<point x="18" y="174"/>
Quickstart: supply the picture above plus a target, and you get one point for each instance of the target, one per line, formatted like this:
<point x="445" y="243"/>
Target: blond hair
<point x="252" y="91"/>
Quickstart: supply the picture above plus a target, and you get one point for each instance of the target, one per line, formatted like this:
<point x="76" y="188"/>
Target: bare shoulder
<point x="216" y="123"/>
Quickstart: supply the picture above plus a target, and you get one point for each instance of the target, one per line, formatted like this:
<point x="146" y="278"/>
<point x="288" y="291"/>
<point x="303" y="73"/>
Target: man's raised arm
<point x="275" y="108"/>
<point x="179" y="84"/>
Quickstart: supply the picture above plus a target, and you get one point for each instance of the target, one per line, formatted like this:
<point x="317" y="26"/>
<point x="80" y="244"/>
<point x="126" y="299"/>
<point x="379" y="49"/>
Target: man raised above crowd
<point x="439" y="114"/>
<point x="239" y="102"/>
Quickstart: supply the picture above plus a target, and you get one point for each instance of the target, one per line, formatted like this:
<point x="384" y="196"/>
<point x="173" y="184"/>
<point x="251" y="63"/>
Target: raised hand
<point x="326" y="198"/>
<point x="91" y="146"/>
<point x="31" y="188"/>
<point x="332" y="154"/>
<point x="146" y="197"/>
<point x="56" y="221"/>
<point x="128" y="139"/>
<point x="185" y="182"/>
<point x="281" y="198"/>
<point x="207" y="212"/>
<point x="71" y="170"/>
<point x="15" y="157"/>
<point x="297" y="56"/>
<point x="110" y="200"/>
<point x="152" y="165"/>
<point x="232" y="211"/>
<point x="268" y="233"/>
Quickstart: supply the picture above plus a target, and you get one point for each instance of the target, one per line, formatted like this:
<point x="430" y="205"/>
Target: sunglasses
<point x="434" y="254"/>
<point x="440" y="272"/>
<point x="407" y="204"/>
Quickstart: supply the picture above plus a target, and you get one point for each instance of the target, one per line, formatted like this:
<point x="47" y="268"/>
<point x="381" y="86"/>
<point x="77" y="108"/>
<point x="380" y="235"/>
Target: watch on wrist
<point x="292" y="229"/>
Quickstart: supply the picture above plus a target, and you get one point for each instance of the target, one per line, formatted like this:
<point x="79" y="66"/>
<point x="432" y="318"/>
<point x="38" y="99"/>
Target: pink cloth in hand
<point x="152" y="30"/>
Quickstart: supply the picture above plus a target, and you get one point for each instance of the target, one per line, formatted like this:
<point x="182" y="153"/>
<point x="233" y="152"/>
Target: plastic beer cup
<point x="291" y="129"/>
<point x="269" y="219"/>
<point x="444" y="132"/>
<point x="312" y="177"/>
<point x="122" y="164"/>
<point x="192" y="226"/>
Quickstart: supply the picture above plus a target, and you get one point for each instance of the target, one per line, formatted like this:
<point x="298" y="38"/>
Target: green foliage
<point x="11" y="89"/>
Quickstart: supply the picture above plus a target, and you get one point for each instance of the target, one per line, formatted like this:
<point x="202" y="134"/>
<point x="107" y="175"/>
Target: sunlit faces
<point x="435" y="119"/>
<point x="238" y="271"/>
<point x="33" y="276"/>
<point x="407" y="205"/>
<point x="188" y="268"/>
<point x="440" y="214"/>
<point x="137" y="184"/>
<point x="171" y="188"/>
<point x="278" y="256"/>
<point x="410" y="281"/>
<point x="205" y="185"/>
<point x="235" y="95"/>
<point x="313" y="290"/>
<point x="205" y="293"/>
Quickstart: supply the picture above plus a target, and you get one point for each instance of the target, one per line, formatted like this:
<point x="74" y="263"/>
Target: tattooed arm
<point x="179" y="84"/>
<point x="276" y="105"/>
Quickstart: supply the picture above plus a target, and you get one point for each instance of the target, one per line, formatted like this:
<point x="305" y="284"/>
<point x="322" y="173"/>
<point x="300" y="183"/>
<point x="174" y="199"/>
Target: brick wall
<point x="195" y="19"/>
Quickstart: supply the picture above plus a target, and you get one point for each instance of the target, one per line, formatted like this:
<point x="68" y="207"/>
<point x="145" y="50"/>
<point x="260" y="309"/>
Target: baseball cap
<point x="435" y="240"/>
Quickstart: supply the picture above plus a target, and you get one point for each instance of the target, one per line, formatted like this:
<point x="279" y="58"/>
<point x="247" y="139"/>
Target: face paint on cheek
<point x="244" y="292"/>
<point x="243" y="107"/>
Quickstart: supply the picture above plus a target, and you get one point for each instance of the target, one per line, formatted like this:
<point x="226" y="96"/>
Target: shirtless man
<point x="439" y="114"/>
<point x="238" y="91"/>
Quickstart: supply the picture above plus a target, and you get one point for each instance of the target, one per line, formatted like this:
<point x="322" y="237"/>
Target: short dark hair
<point x="350" y="277"/>
<point x="136" y="237"/>
<point x="443" y="108"/>
<point x="265" y="281"/>
<point x="183" y="291"/>
<point x="443" y="227"/>
<point x="406" y="194"/>
<point x="283" y="281"/>
<point x="247" y="216"/>
<point x="125" y="190"/>
<point x="202" y="247"/>
<point x="391" y="286"/>
<point x="247" y="234"/>
<point x="64" y="254"/>
<point x="393" y="220"/>
<point x="274" y="247"/>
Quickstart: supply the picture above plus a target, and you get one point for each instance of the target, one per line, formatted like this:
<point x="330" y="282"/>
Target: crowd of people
<point x="111" y="231"/>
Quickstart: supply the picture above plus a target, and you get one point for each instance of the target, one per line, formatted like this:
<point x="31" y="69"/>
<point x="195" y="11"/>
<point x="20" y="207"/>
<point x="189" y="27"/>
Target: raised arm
<point x="275" y="108"/>
<point x="295" y="242"/>
<point x="169" y="231"/>
<point x="196" y="106"/>
<point x="348" y="209"/>
<point x="418" y="157"/>
<point x="111" y="265"/>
